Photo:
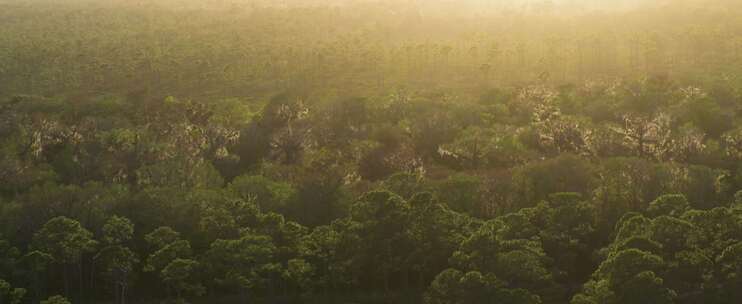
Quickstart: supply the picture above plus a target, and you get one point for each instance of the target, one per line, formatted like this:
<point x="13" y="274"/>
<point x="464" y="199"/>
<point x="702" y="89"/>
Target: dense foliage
<point x="370" y="152"/>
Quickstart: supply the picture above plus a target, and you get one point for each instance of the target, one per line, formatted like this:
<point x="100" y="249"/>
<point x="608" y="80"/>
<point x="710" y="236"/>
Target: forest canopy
<point x="360" y="151"/>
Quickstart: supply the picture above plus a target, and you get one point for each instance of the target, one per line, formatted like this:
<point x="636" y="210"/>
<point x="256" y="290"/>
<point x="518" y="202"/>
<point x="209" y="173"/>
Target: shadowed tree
<point x="37" y="262"/>
<point x="67" y="242"/>
<point x="171" y="262"/>
<point x="116" y="259"/>
<point x="245" y="264"/>
<point x="10" y="295"/>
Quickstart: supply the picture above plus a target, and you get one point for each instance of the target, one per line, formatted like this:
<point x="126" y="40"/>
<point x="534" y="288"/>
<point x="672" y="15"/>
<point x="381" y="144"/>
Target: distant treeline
<point x="250" y="50"/>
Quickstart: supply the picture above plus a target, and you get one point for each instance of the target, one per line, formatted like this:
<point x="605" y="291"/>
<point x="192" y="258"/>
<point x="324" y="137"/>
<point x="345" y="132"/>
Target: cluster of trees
<point x="310" y="153"/>
<point x="529" y="195"/>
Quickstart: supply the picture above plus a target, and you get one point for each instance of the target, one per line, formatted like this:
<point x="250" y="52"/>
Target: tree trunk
<point x="36" y="287"/>
<point x="243" y="295"/>
<point x="386" y="282"/>
<point x="123" y="293"/>
<point x="81" y="287"/>
<point x="407" y="278"/>
<point x="66" y="280"/>
<point x="92" y="276"/>
<point x="420" y="279"/>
